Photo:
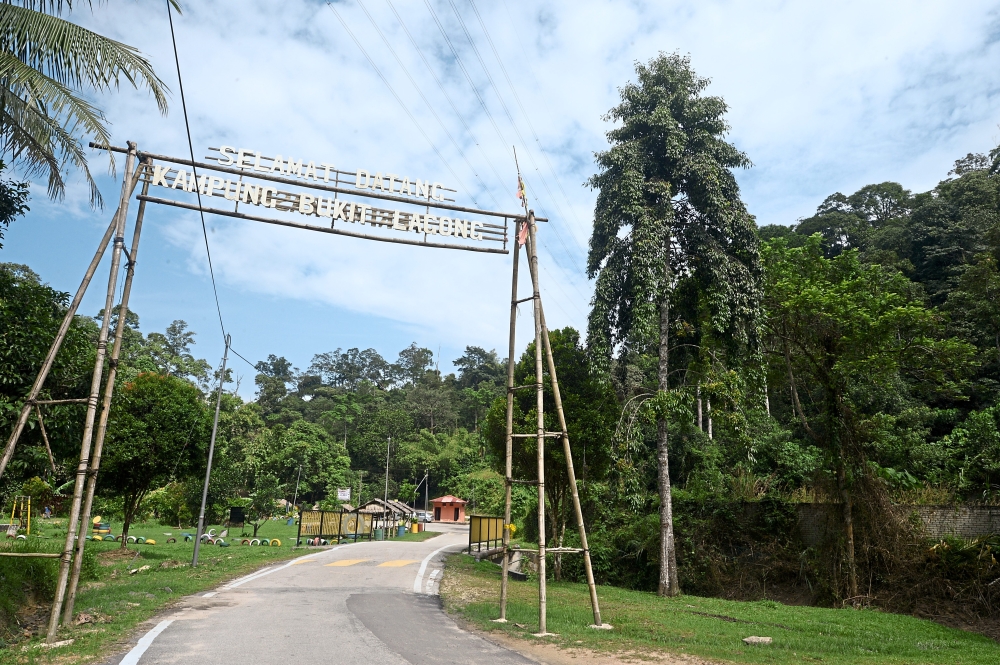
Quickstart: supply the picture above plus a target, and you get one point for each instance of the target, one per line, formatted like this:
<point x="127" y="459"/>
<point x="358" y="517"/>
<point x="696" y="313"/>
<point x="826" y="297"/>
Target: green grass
<point x="708" y="627"/>
<point x="417" y="537"/>
<point x="119" y="601"/>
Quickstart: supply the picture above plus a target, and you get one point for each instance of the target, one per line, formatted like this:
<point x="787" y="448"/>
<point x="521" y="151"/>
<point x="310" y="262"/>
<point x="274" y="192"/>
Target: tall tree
<point x="157" y="432"/>
<point x="668" y="207"/>
<point x="45" y="64"/>
<point x="171" y="351"/>
<point x="855" y="344"/>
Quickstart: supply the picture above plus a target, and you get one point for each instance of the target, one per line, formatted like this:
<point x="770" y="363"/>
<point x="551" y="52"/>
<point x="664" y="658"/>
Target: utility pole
<point x="211" y="452"/>
<point x="295" y="498"/>
<point x="387" y="447"/>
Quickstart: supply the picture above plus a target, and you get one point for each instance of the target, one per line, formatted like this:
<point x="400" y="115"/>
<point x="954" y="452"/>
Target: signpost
<point x="243" y="183"/>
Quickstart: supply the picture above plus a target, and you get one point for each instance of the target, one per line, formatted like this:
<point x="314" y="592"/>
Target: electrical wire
<point x="430" y="106"/>
<point x="197" y="188"/>
<point x="237" y="354"/>
<point x="503" y="105"/>
<point x="430" y="69"/>
<point x="524" y="112"/>
<point x="398" y="99"/>
<point x="482" y="103"/>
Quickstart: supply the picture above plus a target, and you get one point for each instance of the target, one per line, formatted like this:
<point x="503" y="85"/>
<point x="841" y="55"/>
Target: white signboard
<point x="343" y="494"/>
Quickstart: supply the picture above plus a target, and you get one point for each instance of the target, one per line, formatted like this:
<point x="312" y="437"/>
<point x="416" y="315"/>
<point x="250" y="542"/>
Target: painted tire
<point x="117" y="539"/>
<point x="110" y="538"/>
<point x="265" y="542"/>
<point x="245" y="541"/>
<point x="140" y="540"/>
<point x="187" y="537"/>
<point x="211" y="533"/>
<point x="21" y="537"/>
<point x="171" y="540"/>
<point x="220" y="542"/>
<point x="255" y="541"/>
<point x="275" y="542"/>
<point x="223" y="543"/>
<point x="150" y="541"/>
<point x="130" y="539"/>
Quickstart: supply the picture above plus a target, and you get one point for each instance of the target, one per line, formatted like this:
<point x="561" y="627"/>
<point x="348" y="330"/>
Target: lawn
<point x="117" y="601"/>
<point x="707" y="627"/>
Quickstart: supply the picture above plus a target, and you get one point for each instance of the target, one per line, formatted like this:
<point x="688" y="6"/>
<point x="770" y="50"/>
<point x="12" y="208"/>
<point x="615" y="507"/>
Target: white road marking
<point x="209" y="594"/>
<point x="418" y="582"/>
<point x="132" y="657"/>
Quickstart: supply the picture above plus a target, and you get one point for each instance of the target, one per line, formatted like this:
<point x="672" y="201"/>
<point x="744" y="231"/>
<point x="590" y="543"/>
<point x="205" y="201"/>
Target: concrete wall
<point x="818" y="519"/>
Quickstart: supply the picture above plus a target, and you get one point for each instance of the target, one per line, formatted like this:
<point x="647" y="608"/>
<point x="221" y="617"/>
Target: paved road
<point x="367" y="603"/>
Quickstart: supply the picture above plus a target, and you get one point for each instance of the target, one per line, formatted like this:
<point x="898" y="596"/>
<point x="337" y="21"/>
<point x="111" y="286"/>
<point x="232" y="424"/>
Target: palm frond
<point x="56" y="6"/>
<point x="40" y="121"/>
<point x="75" y="56"/>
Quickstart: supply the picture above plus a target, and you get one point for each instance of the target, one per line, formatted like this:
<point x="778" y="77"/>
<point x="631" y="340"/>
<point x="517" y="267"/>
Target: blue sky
<point x="823" y="97"/>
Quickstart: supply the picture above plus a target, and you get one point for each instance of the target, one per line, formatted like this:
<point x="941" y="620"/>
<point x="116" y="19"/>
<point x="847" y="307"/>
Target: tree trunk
<point x="131" y="505"/>
<point x="848" y="515"/>
<point x="669" y="586"/>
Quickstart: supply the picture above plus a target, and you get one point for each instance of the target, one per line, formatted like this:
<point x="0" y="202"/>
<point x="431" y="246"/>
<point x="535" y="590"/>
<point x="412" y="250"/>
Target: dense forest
<point x="851" y="359"/>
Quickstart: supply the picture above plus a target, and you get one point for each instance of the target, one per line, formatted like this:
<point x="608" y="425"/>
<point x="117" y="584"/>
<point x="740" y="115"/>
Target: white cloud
<point x="823" y="97"/>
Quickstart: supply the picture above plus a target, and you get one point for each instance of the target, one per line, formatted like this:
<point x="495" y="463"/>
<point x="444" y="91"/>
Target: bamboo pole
<point x="45" y="438"/>
<point x="102" y="421"/>
<point x="95" y="387"/>
<point x="567" y="451"/>
<point x="509" y="440"/>
<point x="540" y="409"/>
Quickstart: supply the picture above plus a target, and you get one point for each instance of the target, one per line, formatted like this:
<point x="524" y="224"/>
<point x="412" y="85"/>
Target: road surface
<point x="366" y="604"/>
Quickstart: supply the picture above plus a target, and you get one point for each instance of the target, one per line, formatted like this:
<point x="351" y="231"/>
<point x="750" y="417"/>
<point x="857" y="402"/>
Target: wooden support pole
<point x="102" y="421"/>
<point x="45" y="438"/>
<point x="540" y="410"/>
<point x="95" y="388"/>
<point x="567" y="451"/>
<point x="509" y="441"/>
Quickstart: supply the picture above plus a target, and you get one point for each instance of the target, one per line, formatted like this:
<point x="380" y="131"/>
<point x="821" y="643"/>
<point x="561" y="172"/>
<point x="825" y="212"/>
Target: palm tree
<point x="46" y="62"/>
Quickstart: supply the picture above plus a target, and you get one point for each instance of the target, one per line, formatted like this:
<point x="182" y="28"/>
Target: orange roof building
<point x="449" y="508"/>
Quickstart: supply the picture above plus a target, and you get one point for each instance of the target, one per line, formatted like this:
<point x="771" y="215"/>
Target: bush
<point x="27" y="580"/>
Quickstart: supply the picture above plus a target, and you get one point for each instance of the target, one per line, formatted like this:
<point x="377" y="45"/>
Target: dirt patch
<point x="115" y="556"/>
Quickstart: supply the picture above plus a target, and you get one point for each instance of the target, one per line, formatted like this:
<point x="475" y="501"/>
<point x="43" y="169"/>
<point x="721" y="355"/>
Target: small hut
<point x="388" y="514"/>
<point x="449" y="508"/>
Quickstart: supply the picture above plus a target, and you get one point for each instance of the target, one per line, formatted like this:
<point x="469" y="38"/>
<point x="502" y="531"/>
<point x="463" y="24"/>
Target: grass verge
<point x="410" y="537"/>
<point x="707" y="627"/>
<point x="115" y="602"/>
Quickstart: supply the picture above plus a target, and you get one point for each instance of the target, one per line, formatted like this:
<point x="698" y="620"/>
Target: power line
<point x="398" y="99"/>
<point x="524" y="111"/>
<point x="503" y="105"/>
<point x="482" y="102"/>
<point x="447" y="96"/>
<point x="510" y="117"/>
<point x="237" y="354"/>
<point x="197" y="187"/>
<point x="427" y="102"/>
